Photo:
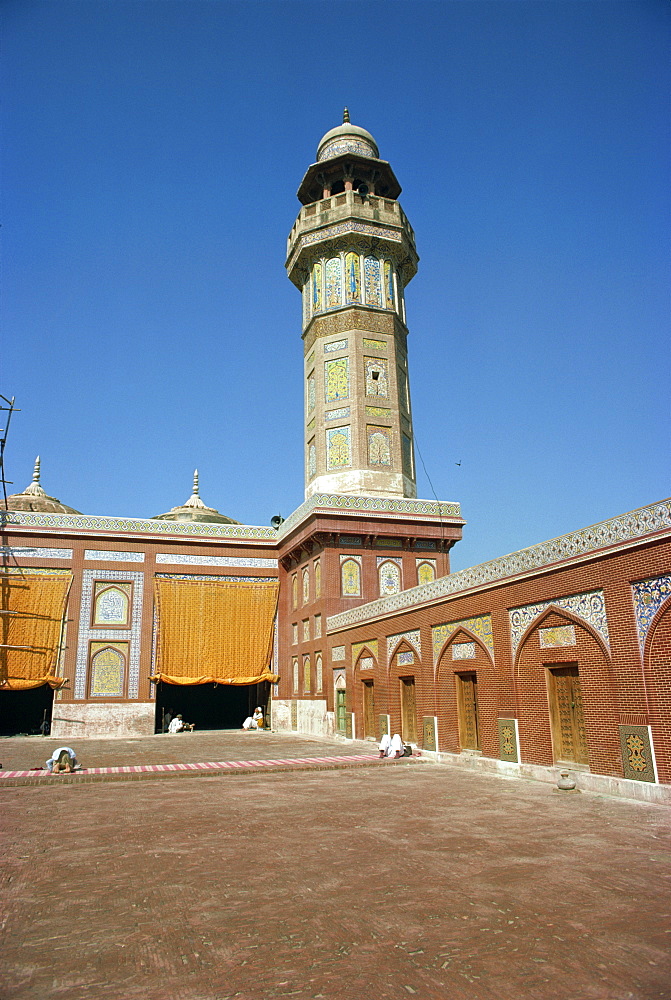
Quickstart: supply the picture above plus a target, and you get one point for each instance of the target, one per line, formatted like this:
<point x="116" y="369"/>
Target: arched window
<point x="318" y="578"/>
<point x="294" y="591"/>
<point x="351" y="578"/>
<point x="306" y="585"/>
<point x="294" y="669"/>
<point x="307" y="679"/>
<point x="389" y="575"/>
<point x="319" y="674"/>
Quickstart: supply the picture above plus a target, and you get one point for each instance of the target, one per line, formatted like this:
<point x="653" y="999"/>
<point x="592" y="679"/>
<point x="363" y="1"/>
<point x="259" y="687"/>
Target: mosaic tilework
<point x="389" y="543"/>
<point x="306" y="630"/>
<point x="21" y="570"/>
<point x="638" y="756"/>
<point x="617" y="532"/>
<point x="430" y="732"/>
<point x="412" y="638"/>
<point x="352" y="277"/>
<point x="426" y="570"/>
<point x="175" y="559"/>
<point x="350" y="572"/>
<point x="377" y="377"/>
<point x="346" y="145"/>
<point x="405" y="658"/>
<point x="366" y="663"/>
<point x="389" y="577"/>
<point x="338" y="653"/>
<point x="311" y="393"/>
<point x="383" y="559"/>
<point x="480" y="626"/>
<point x="425" y="543"/>
<point x="294" y="634"/>
<point x="333" y="280"/>
<point x="399" y="506"/>
<point x="137" y="525"/>
<point x="103" y="555"/>
<point x="87" y="633"/>
<point x="107" y="669"/>
<point x="463" y="650"/>
<point x="509" y="740"/>
<point x="378" y="411"/>
<point x="373" y="281"/>
<point x="349" y="725"/>
<point x="351" y="540"/>
<point x="379" y="447"/>
<point x="312" y="460"/>
<point x="359" y="646"/>
<point x="590" y="607"/>
<point x="384" y="725"/>
<point x="318" y="626"/>
<point x="336" y="379"/>
<point x="343" y="228"/>
<point x="201" y="576"/>
<point x="374" y="345"/>
<point x="337" y="414"/>
<point x="28" y="552"/>
<point x="562" y="635"/>
<point x="335" y="345"/>
<point x="649" y="595"/>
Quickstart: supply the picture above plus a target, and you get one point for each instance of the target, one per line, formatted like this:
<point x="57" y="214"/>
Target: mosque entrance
<point x="26" y="712"/>
<point x="209" y="706"/>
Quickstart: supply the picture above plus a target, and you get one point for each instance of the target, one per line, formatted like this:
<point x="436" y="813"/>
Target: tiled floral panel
<point x="341" y="414"/>
<point x="338" y="653"/>
<point x="312" y="460"/>
<point x="338" y="454"/>
<point x="389" y="577"/>
<point x="312" y="394"/>
<point x="335" y="345"/>
<point x="384" y="725"/>
<point x="649" y="595"/>
<point x="388" y="285"/>
<point x="426" y="571"/>
<point x="294" y="674"/>
<point x="88" y="633"/>
<point x="307" y="675"/>
<point x="318" y="626"/>
<point x="317" y="293"/>
<point x="463" y="650"/>
<point x="349" y="725"/>
<point x="306" y="630"/>
<point x="350" y="226"/>
<point x="107" y="669"/>
<point x="336" y="379"/>
<point x="294" y="709"/>
<point x="333" y="282"/>
<point x="373" y="283"/>
<point x="357" y="648"/>
<point x="405" y="658"/>
<point x="107" y="555"/>
<point x="430" y="732"/>
<point x="379" y="411"/>
<point x="306" y="585"/>
<point x="366" y="663"/>
<point x="561" y="635"/>
<point x="638" y="757"/>
<point x="347" y="144"/>
<point x="412" y="638"/>
<point x="351" y="540"/>
<point x="379" y="446"/>
<point x="352" y="277"/>
<point x="480" y="626"/>
<point x="319" y="673"/>
<point x="111" y="604"/>
<point x="508" y="741"/>
<point x="590" y="607"/>
<point x="350" y="572"/>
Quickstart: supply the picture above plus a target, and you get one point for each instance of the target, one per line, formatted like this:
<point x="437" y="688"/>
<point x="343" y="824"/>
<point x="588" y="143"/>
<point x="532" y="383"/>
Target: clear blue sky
<point x="152" y="154"/>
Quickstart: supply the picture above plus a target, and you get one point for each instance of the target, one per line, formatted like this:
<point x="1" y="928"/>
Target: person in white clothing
<point x="396" y="749"/>
<point x="385" y="745"/>
<point x="254" y="721"/>
<point x="63" y="759"/>
<point x="179" y="726"/>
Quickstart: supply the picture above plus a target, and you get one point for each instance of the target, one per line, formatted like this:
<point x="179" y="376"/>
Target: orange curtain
<point x="215" y="630"/>
<point x="31" y="630"/>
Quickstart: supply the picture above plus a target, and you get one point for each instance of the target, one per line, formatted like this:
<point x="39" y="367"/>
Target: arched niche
<point x="466" y="695"/>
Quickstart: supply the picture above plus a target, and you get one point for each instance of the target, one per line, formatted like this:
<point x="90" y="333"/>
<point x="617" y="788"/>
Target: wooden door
<point x="408" y="710"/>
<point x="368" y="709"/>
<point x="341" y="708"/>
<point x="467" y="702"/>
<point x="568" y="722"/>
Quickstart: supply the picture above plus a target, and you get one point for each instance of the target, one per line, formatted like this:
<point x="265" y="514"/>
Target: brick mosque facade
<point x="555" y="656"/>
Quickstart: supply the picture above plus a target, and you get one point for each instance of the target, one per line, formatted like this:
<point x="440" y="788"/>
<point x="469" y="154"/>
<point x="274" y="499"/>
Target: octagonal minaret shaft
<point x="351" y="252"/>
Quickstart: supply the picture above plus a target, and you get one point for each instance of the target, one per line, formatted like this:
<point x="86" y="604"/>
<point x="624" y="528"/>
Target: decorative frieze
<point x="412" y="638"/>
<point x="179" y="559"/>
<point x="31" y="552"/>
<point x="480" y="626"/>
<point x="649" y="595"/>
<point x="590" y="607"/>
<point x="113" y="555"/>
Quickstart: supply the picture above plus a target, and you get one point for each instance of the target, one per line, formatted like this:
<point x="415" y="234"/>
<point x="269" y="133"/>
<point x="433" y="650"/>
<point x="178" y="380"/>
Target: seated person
<point x="64" y="760"/>
<point x="254" y="721"/>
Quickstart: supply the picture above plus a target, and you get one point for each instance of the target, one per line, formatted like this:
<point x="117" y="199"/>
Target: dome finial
<point x="345" y="116"/>
<point x="195" y="482"/>
<point x="35" y="488"/>
<point x="36" y="471"/>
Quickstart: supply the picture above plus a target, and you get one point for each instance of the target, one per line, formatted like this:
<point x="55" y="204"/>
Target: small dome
<point x="195" y="510"/>
<point x="35" y="498"/>
<point x="347" y="138"/>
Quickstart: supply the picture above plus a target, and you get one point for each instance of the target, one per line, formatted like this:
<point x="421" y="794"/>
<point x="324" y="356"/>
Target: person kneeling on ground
<point x="254" y="721"/>
<point x="385" y="745"/>
<point x="64" y="759"/>
<point x="179" y="726"/>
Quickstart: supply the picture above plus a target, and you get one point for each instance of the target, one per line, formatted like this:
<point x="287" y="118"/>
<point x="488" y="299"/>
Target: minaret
<point x="351" y="252"/>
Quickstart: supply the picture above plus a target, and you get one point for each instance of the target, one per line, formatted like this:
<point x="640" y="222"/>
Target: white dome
<point x="347" y="138"/>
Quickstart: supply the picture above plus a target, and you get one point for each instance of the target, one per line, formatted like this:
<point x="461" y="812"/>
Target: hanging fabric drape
<point x="215" y="631"/>
<point x="33" y="609"/>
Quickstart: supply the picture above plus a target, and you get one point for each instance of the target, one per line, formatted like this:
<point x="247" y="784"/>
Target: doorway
<point x="209" y="706"/>
<point x="467" y="705"/>
<point x="341" y="709"/>
<point x="566" y="714"/>
<point x="368" y="709"/>
<point x="408" y="709"/>
<point x="22" y="713"/>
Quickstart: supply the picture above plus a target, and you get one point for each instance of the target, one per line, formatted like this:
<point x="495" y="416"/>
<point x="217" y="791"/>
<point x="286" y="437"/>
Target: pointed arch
<point x="554" y="609"/>
<point x="468" y="636"/>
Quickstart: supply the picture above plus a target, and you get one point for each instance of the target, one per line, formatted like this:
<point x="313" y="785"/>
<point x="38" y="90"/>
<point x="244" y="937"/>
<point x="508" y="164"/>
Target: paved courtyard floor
<point x="364" y="883"/>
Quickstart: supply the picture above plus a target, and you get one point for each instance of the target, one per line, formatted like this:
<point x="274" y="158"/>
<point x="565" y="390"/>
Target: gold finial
<point x="195" y="482"/>
<point x="345" y="116"/>
<point x="36" y="471"/>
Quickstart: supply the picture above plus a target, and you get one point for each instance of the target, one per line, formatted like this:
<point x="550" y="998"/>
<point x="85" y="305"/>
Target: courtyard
<point x="377" y="880"/>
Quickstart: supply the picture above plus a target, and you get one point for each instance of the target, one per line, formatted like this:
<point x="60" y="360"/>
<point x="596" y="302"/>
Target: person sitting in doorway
<point x="62" y="761"/>
<point x="254" y="721"/>
<point x="179" y="726"/>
